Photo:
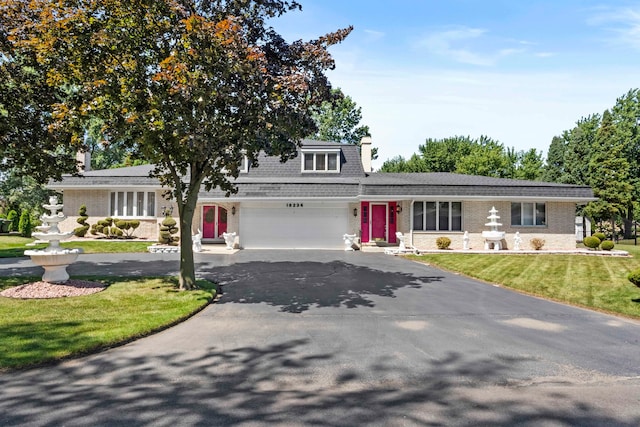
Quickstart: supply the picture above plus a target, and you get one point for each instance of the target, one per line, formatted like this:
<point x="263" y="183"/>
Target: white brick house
<point x="328" y="190"/>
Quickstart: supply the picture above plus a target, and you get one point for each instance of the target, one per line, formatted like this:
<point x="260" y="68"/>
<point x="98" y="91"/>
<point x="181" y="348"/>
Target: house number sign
<point x="295" y="205"/>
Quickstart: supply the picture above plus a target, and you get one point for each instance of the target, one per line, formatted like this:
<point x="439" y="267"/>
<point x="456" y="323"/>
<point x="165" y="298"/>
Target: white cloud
<point x="544" y="54"/>
<point x="623" y="22"/>
<point x="447" y="43"/>
<point x="443" y="43"/>
<point x="373" y="35"/>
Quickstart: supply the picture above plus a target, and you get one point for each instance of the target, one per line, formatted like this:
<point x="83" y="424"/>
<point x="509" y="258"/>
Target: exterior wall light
<point x="233" y="210"/>
<point x="355" y="211"/>
<point x="398" y="209"/>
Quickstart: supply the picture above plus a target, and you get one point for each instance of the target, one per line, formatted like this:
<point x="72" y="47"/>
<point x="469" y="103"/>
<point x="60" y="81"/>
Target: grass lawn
<point x="595" y="282"/>
<point x="39" y="331"/>
<point x="14" y="246"/>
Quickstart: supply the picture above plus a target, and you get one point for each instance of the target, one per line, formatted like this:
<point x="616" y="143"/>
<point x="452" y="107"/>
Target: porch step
<point x="378" y="244"/>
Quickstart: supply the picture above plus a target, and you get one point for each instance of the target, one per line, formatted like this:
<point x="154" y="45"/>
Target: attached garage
<point x="293" y="225"/>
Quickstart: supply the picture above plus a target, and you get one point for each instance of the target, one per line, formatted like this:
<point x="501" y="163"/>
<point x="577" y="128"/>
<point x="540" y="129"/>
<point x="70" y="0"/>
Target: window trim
<point x="114" y="211"/>
<point x="534" y="216"/>
<point x="315" y="153"/>
<point x="437" y="217"/>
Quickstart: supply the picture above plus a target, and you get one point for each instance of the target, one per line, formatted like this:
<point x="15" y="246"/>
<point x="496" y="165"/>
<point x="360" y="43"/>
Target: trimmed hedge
<point x="591" y="242"/>
<point x="607" y="245"/>
<point x="634" y="277"/>
<point x="443" y="242"/>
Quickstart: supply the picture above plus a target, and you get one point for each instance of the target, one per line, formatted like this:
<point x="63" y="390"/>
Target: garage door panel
<point x="293" y="228"/>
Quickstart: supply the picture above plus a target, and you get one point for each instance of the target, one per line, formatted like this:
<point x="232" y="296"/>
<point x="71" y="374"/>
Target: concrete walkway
<point x="333" y="339"/>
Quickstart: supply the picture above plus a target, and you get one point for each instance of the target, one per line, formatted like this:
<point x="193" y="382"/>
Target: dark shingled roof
<point x="275" y="179"/>
<point x="458" y="185"/>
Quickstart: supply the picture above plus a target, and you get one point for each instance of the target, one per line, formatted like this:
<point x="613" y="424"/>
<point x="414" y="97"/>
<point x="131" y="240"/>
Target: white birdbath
<point x="493" y="238"/>
<point x="53" y="258"/>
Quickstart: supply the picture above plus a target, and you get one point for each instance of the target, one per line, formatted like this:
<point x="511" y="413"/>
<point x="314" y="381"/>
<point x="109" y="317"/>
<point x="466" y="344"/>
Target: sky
<point x="519" y="72"/>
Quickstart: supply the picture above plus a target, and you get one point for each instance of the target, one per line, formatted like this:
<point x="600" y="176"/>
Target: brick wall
<point x="558" y="234"/>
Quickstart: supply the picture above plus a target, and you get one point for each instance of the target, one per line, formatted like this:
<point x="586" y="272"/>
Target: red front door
<point x="379" y="222"/>
<point x="214" y="222"/>
<point x="222" y="221"/>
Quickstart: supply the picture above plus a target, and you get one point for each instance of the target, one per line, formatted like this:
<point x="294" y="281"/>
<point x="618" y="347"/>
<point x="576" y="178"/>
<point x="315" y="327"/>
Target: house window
<point x="528" y="214"/>
<point x="132" y="203"/>
<point x="320" y="162"/>
<point x="437" y="216"/>
<point x="244" y="164"/>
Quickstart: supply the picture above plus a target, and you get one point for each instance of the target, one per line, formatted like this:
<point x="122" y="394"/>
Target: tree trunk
<point x="628" y="223"/>
<point x="187" y="277"/>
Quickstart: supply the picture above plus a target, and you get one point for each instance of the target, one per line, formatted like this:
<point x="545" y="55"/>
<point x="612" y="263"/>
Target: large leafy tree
<point x="580" y="141"/>
<point x="339" y="120"/>
<point x="529" y="165"/>
<point x="487" y="158"/>
<point x="626" y="116"/>
<point x="464" y="155"/>
<point x="29" y="138"/>
<point x="608" y="171"/>
<point x="190" y="86"/>
<point x="553" y="169"/>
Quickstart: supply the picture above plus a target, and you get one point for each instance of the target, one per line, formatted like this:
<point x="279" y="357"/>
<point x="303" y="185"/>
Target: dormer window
<point x="321" y="161"/>
<point x="244" y="165"/>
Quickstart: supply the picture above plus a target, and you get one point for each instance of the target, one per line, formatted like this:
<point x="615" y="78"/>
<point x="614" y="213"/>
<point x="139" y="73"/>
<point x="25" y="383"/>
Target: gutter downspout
<point x="411" y="223"/>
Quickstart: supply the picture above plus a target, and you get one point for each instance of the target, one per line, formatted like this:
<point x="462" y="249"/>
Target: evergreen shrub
<point x="600" y="236"/>
<point x="634" y="277"/>
<point x="82" y="220"/>
<point x="591" y="242"/>
<point x="167" y="231"/>
<point x="607" y="245"/>
<point x="443" y="242"/>
<point x="25" y="226"/>
<point x="13" y="217"/>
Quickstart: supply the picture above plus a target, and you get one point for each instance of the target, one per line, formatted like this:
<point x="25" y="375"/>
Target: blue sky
<point x="516" y="71"/>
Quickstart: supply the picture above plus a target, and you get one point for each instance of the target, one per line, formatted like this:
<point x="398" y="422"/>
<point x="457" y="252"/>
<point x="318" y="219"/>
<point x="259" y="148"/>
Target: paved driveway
<point x="335" y="339"/>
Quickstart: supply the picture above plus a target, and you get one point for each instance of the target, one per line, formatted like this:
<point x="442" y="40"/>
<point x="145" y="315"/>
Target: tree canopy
<point x="462" y="154"/>
<point x="603" y="151"/>
<point x="189" y="86"/>
<point x="29" y="138"/>
<point x="339" y="119"/>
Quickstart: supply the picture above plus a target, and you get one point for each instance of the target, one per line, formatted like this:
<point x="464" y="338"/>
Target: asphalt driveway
<point x="335" y="339"/>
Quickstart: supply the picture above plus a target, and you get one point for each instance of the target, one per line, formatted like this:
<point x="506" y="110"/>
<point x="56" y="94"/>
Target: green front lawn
<point x="39" y="331"/>
<point x="595" y="282"/>
<point x="14" y="246"/>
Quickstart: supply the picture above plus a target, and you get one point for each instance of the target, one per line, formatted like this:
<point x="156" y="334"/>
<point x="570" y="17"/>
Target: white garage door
<point x="293" y="226"/>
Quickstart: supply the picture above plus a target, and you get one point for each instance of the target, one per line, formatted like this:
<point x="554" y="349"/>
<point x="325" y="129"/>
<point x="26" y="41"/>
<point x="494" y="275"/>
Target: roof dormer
<point x="320" y="160"/>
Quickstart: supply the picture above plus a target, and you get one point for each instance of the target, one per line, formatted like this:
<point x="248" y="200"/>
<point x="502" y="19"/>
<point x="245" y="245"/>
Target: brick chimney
<point x="84" y="159"/>
<point x="365" y="153"/>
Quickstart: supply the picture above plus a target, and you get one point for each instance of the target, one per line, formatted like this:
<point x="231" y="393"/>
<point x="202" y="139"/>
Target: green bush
<point x="600" y="236"/>
<point x="606" y="245"/>
<point x="82" y="220"/>
<point x="127" y="227"/>
<point x="591" y="242"/>
<point x="25" y="226"/>
<point x="13" y="217"/>
<point x="167" y="231"/>
<point x="103" y="227"/>
<point x="443" y="242"/>
<point x="634" y="277"/>
<point x="537" y="243"/>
